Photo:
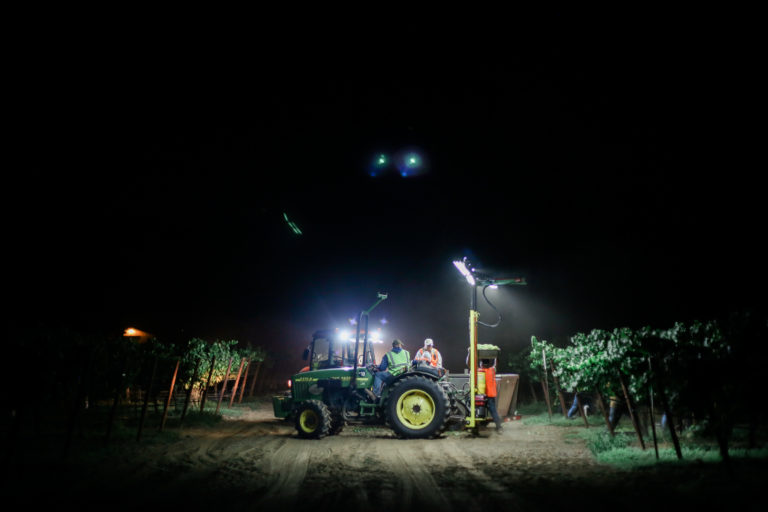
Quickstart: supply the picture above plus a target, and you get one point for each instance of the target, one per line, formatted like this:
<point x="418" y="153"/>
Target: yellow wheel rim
<point x="308" y="421"/>
<point x="415" y="409"/>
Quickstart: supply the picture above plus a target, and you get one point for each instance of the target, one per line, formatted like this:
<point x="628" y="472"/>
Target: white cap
<point x="428" y="342"/>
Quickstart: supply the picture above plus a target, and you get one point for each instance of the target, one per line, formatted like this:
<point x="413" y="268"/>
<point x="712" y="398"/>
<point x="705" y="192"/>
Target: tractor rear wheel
<point x="313" y="420"/>
<point x="417" y="408"/>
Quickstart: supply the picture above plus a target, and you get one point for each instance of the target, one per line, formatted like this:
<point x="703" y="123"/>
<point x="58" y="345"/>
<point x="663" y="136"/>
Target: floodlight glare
<point x="465" y="272"/>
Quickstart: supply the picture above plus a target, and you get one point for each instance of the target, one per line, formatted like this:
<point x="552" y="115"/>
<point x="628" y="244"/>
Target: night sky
<point x="604" y="167"/>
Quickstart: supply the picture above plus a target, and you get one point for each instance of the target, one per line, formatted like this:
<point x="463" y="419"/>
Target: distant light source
<point x="137" y="335"/>
<point x="378" y="164"/>
<point x="410" y="162"/>
<point x="464" y="271"/>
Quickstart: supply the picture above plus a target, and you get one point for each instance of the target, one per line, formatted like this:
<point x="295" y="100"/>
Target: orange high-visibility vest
<point x="486" y="382"/>
<point x="423" y="355"/>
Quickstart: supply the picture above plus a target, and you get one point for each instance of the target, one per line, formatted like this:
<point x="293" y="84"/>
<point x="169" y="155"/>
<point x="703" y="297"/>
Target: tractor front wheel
<point x="417" y="408"/>
<point x="313" y="420"/>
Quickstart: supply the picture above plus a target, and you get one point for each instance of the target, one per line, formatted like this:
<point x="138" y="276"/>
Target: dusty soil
<point x="256" y="462"/>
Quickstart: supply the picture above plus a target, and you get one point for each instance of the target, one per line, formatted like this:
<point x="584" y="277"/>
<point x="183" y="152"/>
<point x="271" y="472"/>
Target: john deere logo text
<point x="343" y="378"/>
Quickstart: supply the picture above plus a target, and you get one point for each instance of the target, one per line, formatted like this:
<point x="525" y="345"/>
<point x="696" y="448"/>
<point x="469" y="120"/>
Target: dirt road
<point x="256" y="462"/>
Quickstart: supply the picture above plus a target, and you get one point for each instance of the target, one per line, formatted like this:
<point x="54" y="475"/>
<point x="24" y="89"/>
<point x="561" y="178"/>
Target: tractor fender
<point x="420" y="373"/>
<point x="425" y="370"/>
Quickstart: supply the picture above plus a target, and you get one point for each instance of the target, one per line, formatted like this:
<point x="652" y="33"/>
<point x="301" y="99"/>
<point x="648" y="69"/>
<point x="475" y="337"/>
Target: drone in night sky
<point x="407" y="163"/>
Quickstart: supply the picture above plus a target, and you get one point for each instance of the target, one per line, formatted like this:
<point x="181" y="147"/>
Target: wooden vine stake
<point x="170" y="395"/>
<point x="245" y="379"/>
<point x="116" y="402"/>
<point x="558" y="390"/>
<point x="207" y="385"/>
<point x="189" y="391"/>
<point x="253" y="381"/>
<point x="670" y="422"/>
<point x="223" y="386"/>
<point x="581" y="409"/>
<point x="653" y="419"/>
<point x="631" y="412"/>
<point x="544" y="385"/>
<point x="237" y="382"/>
<point x="604" y="409"/>
<point x="146" y="399"/>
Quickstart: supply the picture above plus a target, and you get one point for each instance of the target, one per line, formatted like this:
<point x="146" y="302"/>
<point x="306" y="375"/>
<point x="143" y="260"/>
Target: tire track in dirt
<point x="343" y="472"/>
<point x="422" y="476"/>
<point x="260" y="463"/>
<point x="407" y="477"/>
<point x="471" y="475"/>
<point x="286" y="468"/>
<point x="233" y="456"/>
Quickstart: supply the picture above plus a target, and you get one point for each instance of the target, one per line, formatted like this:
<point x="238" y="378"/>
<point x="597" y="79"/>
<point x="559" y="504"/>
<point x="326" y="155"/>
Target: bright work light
<point x="465" y="272"/>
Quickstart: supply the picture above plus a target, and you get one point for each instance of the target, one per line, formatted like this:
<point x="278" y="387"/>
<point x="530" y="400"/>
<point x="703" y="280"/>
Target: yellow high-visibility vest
<point x="480" y="383"/>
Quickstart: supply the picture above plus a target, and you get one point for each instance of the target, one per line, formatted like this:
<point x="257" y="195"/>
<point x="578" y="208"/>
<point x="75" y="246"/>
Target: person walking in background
<point x="586" y="404"/>
<point x="574" y="407"/>
<point x="429" y="354"/>
<point x="616" y="409"/>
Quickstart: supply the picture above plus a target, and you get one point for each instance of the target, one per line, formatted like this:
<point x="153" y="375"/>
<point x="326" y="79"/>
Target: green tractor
<point x="335" y="390"/>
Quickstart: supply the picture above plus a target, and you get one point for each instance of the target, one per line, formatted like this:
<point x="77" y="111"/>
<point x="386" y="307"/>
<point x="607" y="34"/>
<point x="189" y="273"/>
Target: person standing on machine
<point x="429" y="354"/>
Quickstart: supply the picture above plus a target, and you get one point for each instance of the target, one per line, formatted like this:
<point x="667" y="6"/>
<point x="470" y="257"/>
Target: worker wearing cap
<point x="429" y="354"/>
<point x="394" y="362"/>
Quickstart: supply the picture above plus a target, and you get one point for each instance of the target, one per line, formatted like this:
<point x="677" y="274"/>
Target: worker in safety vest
<point x="486" y="385"/>
<point x="394" y="362"/>
<point x="429" y="354"/>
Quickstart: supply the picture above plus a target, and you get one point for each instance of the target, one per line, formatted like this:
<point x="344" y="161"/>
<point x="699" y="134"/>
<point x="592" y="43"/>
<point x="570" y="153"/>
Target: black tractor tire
<point x="313" y="419"/>
<point x="417" y="407"/>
